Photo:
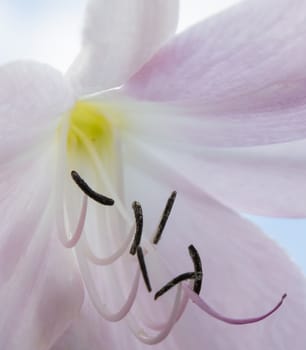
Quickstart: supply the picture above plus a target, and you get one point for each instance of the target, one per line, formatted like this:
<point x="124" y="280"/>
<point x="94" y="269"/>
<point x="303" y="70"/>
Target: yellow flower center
<point x="89" y="127"/>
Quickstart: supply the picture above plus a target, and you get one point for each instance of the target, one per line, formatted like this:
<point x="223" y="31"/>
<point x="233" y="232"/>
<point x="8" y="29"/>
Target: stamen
<point x="101" y="172"/>
<point x="143" y="268"/>
<point x="184" y="301"/>
<point x="197" y="275"/>
<point x="164" y="218"/>
<point x="100" y="198"/>
<point x="111" y="258"/>
<point x="79" y="229"/>
<point x="196" y="259"/>
<point x="71" y="242"/>
<point x="174" y="282"/>
<point x="96" y="298"/>
<point x="236" y="321"/>
<point x="139" y="225"/>
<point x="179" y="302"/>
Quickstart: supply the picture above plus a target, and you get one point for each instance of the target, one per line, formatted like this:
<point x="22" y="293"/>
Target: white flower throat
<point x="106" y="236"/>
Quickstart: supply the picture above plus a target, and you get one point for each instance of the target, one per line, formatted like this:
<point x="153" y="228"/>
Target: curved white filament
<point x="96" y="298"/>
<point x="111" y="258"/>
<point x="70" y="243"/>
<point x="59" y="183"/>
<point x="238" y="321"/>
<point x="159" y="326"/>
<point x="107" y="183"/>
<point x="175" y="312"/>
<point x="61" y="161"/>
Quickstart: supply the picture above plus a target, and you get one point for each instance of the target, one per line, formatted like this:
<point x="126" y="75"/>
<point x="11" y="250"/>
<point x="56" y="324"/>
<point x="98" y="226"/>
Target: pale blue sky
<point x="49" y="31"/>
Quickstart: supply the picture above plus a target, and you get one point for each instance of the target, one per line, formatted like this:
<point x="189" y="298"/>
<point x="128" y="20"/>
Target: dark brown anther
<point x="139" y="225"/>
<point x="100" y="198"/>
<point x="197" y="275"/>
<point x="143" y="268"/>
<point x="174" y="282"/>
<point x="164" y="218"/>
<point x="196" y="259"/>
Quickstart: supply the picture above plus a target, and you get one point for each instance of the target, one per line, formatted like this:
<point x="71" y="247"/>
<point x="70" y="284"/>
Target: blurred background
<point x="49" y="31"/>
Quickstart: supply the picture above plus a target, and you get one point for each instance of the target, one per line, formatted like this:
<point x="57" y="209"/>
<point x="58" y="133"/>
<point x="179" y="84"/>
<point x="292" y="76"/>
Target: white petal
<point x="40" y="287"/>
<point x="187" y="126"/>
<point x="119" y="37"/>
<point x="32" y="98"/>
<point x="265" y="180"/>
<point x="90" y="331"/>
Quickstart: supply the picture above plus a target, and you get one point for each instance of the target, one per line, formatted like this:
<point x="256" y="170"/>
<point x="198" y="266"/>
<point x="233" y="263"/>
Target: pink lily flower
<point x="215" y="115"/>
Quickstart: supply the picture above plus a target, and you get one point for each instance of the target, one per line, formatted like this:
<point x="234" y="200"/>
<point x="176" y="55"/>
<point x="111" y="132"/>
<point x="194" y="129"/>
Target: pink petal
<point x="119" y="37"/>
<point x="245" y="273"/>
<point x="263" y="180"/>
<point x="32" y="98"/>
<point x="90" y="331"/>
<point x="266" y="180"/>
<point x="20" y="208"/>
<point x="230" y="69"/>
<point x="187" y="127"/>
<point x="42" y="297"/>
<point x="40" y="288"/>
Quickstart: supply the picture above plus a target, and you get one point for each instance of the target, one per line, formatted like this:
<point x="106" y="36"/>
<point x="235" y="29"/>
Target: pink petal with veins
<point x="241" y="71"/>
